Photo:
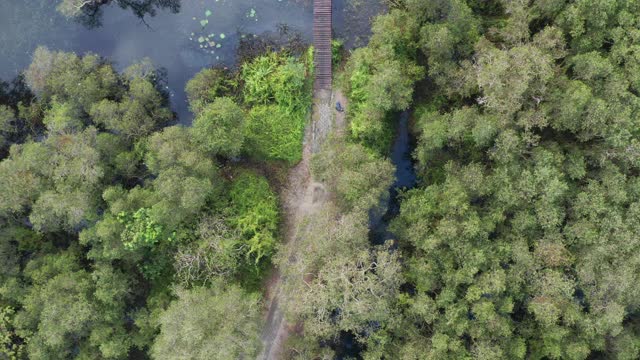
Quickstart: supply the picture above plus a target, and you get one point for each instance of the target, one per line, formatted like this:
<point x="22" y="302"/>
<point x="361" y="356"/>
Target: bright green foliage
<point x="62" y="117"/>
<point x="209" y="324"/>
<point x="219" y="128"/>
<point x="254" y="212"/>
<point x="273" y="133"/>
<point x="337" y="49"/>
<point x="140" y="229"/>
<point x="277" y="87"/>
<point x="381" y="77"/>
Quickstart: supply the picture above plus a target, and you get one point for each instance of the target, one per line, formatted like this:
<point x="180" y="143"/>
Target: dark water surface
<point x="177" y="42"/>
<point x="405" y="178"/>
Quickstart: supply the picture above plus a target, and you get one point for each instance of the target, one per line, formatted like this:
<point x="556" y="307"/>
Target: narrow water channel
<point x="405" y="178"/>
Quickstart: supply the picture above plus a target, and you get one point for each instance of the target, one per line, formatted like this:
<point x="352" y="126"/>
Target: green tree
<point x="219" y="128"/>
<point x="206" y="86"/>
<point x="209" y="324"/>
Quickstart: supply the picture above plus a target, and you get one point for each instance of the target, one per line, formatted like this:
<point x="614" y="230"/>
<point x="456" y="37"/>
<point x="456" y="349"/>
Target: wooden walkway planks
<point x="322" y="43"/>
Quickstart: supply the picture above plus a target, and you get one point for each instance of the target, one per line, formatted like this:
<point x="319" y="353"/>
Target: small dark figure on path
<point x="339" y="107"/>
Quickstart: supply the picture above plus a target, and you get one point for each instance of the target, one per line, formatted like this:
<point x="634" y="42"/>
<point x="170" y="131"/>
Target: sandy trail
<point x="300" y="198"/>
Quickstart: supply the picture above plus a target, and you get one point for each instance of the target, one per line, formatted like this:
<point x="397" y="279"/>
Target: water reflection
<point x="89" y="12"/>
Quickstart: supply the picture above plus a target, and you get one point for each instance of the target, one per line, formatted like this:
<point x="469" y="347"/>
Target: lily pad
<point x="252" y="12"/>
<point x="200" y="39"/>
<point x="218" y="46"/>
<point x="222" y="36"/>
<point x="207" y="13"/>
<point x="204" y="22"/>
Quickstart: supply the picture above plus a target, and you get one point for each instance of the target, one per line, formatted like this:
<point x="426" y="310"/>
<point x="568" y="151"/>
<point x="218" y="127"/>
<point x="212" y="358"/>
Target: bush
<point x="254" y="212"/>
<point x="272" y="133"/>
<point x="276" y="86"/>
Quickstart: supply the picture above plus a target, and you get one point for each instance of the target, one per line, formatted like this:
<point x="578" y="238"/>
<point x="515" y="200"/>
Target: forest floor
<point x="301" y="198"/>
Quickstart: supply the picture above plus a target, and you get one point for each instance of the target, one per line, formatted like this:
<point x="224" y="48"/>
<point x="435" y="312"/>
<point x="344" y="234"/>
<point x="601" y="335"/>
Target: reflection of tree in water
<point x="352" y="20"/>
<point x="89" y="12"/>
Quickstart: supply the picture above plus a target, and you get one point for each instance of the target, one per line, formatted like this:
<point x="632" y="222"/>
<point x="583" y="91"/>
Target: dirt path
<point x="301" y="198"/>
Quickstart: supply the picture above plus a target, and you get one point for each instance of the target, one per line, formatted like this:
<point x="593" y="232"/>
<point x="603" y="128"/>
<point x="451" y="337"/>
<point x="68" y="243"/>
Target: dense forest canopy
<point x="521" y="240"/>
<point x="123" y="235"/>
<point x="115" y="223"/>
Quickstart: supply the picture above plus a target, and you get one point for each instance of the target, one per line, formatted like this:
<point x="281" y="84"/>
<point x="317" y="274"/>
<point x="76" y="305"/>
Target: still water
<point x="201" y="34"/>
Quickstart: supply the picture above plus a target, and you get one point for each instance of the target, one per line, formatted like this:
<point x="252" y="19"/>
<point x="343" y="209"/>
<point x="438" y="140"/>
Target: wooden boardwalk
<point x="322" y="43"/>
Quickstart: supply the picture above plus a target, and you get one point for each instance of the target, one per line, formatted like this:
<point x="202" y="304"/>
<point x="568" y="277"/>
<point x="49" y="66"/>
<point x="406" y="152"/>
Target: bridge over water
<point x="322" y="43"/>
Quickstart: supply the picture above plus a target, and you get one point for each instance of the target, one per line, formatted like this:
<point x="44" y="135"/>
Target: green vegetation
<point x="278" y="88"/>
<point x="520" y="241"/>
<point x="124" y="237"/>
<point x="219" y="127"/>
<point x="120" y="234"/>
<point x="254" y="213"/>
<point x="205" y="323"/>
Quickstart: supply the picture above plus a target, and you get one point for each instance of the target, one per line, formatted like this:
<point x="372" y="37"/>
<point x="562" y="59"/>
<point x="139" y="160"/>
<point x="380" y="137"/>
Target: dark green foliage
<point x="206" y="86"/>
<point x="527" y="138"/>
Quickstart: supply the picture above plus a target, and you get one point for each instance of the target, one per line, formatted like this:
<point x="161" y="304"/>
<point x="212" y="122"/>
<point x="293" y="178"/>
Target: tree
<point x="219" y="128"/>
<point x="206" y="86"/>
<point x="359" y="179"/>
<point x="78" y="81"/>
<point x="209" y="323"/>
<point x="55" y="313"/>
<point x="216" y="254"/>
<point x="62" y="118"/>
<point x="139" y="113"/>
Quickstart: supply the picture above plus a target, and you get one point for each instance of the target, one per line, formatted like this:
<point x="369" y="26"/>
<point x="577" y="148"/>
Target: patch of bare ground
<point x="301" y="197"/>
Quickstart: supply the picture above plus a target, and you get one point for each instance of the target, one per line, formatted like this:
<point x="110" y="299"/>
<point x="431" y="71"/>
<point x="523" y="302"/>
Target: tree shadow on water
<point x="89" y="12"/>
